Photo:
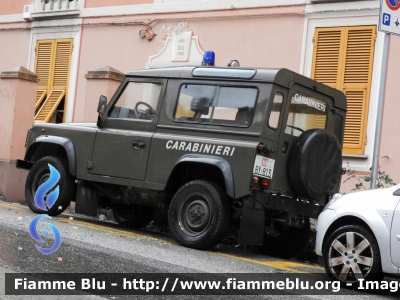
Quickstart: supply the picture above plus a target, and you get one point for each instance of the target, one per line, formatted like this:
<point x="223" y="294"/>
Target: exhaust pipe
<point x="237" y="205"/>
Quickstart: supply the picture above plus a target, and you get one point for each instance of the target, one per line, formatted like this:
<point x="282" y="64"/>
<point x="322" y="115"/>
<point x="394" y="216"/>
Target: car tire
<point x="351" y="253"/>
<point x="133" y="215"/>
<point x="315" y="164"/>
<point x="199" y="215"/>
<point x="39" y="174"/>
<point x="288" y="243"/>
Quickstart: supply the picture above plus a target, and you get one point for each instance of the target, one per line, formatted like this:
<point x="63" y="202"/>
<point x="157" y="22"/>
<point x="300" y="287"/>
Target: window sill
<point x="355" y="156"/>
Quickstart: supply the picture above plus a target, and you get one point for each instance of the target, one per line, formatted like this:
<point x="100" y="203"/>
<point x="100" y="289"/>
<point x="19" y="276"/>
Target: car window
<point x="216" y="105"/>
<point x="276" y="111"/>
<point x="137" y="101"/>
<point x="305" y="112"/>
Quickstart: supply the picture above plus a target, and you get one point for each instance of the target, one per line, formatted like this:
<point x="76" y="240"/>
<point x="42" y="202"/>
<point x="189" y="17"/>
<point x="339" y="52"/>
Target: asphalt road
<point x="93" y="246"/>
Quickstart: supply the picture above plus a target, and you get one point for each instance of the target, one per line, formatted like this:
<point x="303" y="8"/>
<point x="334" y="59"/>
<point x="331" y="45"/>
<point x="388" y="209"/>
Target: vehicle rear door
<point x="304" y="109"/>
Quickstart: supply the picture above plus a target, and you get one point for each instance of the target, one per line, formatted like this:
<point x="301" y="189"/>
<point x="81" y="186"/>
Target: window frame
<point x="347" y="17"/>
<point x="117" y="96"/>
<point x="237" y="125"/>
<point x="292" y="94"/>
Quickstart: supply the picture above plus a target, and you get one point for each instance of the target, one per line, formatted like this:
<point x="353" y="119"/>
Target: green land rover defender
<point x="209" y="151"/>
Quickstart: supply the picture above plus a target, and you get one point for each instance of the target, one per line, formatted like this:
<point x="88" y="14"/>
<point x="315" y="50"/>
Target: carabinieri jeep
<point x="212" y="152"/>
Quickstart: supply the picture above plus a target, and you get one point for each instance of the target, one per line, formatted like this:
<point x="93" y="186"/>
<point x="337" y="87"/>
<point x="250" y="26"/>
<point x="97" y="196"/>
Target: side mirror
<point x="101" y="108"/>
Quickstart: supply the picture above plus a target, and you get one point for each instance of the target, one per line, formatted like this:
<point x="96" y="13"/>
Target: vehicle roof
<point x="283" y="77"/>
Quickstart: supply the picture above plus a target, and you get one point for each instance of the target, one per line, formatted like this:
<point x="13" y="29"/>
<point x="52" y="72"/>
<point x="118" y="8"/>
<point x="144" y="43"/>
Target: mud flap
<point x="86" y="199"/>
<point x="251" y="230"/>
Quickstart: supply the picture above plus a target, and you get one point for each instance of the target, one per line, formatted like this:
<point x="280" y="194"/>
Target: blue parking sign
<point x="386" y="19"/>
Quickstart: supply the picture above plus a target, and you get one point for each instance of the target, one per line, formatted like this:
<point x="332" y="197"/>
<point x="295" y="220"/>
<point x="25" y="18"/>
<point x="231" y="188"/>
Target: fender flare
<point x="219" y="162"/>
<point x="61" y="141"/>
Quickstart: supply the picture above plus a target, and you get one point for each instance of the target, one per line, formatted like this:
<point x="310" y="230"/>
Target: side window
<point x="216" y="105"/>
<point x="276" y="111"/>
<point x="137" y="101"/>
<point x="305" y="113"/>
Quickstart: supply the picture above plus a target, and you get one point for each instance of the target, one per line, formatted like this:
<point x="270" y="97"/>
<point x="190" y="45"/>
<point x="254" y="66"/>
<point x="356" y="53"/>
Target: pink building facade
<point x="125" y="35"/>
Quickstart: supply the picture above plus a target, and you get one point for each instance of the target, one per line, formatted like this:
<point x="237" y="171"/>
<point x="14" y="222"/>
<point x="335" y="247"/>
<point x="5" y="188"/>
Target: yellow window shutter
<point x="327" y="55"/>
<point x="49" y="106"/>
<point x="62" y="63"/>
<point x="40" y="95"/>
<point x="354" y="133"/>
<point x="343" y="58"/>
<point x="43" y="64"/>
<point x="55" y="74"/>
<point x="357" y="85"/>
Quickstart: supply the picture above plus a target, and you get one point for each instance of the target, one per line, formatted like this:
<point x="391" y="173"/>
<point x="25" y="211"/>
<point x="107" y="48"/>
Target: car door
<point x="122" y="145"/>
<point x="395" y="237"/>
<point x="304" y="109"/>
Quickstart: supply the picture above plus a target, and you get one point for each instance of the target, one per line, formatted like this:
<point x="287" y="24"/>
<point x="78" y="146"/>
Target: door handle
<point x="285" y="147"/>
<point x="138" y="145"/>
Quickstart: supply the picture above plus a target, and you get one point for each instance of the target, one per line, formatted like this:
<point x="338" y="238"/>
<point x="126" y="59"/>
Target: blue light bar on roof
<point x="208" y="58"/>
<point x="224" y="72"/>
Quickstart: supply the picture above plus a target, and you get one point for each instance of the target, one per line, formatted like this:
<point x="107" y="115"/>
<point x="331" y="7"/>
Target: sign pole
<point x="378" y="128"/>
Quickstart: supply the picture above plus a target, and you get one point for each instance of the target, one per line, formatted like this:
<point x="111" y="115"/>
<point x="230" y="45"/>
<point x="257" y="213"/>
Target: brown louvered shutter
<point x="58" y="79"/>
<point x="43" y="67"/>
<point x="343" y="59"/>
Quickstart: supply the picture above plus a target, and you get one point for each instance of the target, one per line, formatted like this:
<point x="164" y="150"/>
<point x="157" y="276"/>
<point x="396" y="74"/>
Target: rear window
<point x="306" y="112"/>
<point x="216" y="105"/>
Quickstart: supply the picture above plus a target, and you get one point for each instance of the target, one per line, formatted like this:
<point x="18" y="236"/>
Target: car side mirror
<point x="101" y="108"/>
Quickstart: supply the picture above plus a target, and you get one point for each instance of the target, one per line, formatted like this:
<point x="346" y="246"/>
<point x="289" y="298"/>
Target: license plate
<point x="263" y="166"/>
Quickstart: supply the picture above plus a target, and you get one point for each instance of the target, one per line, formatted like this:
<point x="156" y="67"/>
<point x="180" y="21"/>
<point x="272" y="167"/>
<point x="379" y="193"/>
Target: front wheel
<point x="57" y="186"/>
<point x="352" y="253"/>
<point x="199" y="215"/>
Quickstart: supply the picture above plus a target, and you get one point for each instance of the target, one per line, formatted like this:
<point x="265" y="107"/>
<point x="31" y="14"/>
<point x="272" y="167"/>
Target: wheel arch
<point x="343" y="221"/>
<point x="195" y="166"/>
<point x="52" y="145"/>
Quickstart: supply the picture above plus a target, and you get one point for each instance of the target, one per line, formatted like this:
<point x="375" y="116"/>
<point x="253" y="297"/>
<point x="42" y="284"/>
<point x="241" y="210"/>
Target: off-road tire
<point x="199" y="215"/>
<point x="334" y="262"/>
<point x="288" y="243"/>
<point x="133" y="215"/>
<point x="315" y="164"/>
<point x="39" y="173"/>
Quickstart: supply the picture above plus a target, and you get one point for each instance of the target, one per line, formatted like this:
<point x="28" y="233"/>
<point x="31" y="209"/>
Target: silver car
<point x="358" y="235"/>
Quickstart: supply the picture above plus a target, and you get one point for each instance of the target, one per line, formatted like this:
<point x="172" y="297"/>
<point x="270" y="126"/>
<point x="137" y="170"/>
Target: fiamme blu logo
<point x="45" y="197"/>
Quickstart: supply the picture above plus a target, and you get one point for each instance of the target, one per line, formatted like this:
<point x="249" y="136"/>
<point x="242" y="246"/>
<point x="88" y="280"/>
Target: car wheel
<point x="38" y="175"/>
<point x="352" y="253"/>
<point x="133" y="215"/>
<point x="199" y="215"/>
<point x="287" y="242"/>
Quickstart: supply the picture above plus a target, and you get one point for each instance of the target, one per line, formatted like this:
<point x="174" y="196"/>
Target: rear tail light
<point x="256" y="183"/>
<point x="260" y="148"/>
<point x="265" y="183"/>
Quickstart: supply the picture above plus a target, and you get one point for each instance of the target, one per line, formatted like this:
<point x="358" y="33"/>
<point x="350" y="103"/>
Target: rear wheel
<point x="40" y="175"/>
<point x="199" y="215"/>
<point x="133" y="215"/>
<point x="352" y="253"/>
<point x="287" y="241"/>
